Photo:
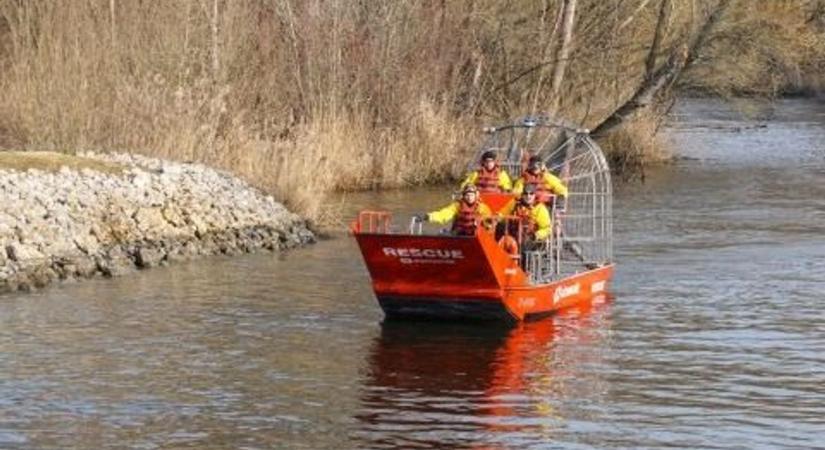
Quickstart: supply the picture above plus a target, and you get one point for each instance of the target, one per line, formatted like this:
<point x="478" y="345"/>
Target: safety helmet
<point x="469" y="188"/>
<point x="489" y="154"/>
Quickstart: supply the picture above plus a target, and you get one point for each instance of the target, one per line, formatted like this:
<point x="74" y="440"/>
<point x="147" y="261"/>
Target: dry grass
<point x="52" y="162"/>
<point x="637" y="145"/>
<point x="767" y="50"/>
<point x="304" y="97"/>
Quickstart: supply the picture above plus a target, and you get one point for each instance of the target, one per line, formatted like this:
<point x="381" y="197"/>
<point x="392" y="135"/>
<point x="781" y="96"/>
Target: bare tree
<point x="658" y="37"/>
<point x="680" y="58"/>
<point x="633" y="16"/>
<point x="568" y="20"/>
<point x="112" y="20"/>
<point x="547" y="41"/>
<point x="215" y="40"/>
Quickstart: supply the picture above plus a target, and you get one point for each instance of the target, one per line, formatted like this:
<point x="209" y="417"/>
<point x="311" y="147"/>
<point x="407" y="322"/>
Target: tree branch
<point x="665" y="76"/>
<point x="563" y="51"/>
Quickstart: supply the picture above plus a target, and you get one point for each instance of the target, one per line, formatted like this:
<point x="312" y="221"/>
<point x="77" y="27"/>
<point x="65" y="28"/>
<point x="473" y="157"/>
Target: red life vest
<point x="543" y="195"/>
<point x="536" y="181"/>
<point x="525" y="214"/>
<point x="487" y="180"/>
<point x="468" y="218"/>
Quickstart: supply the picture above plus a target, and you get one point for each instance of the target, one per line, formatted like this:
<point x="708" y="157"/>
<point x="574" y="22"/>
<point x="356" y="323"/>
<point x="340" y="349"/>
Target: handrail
<point x="372" y="222"/>
<point x="508" y="221"/>
<point x="416" y="226"/>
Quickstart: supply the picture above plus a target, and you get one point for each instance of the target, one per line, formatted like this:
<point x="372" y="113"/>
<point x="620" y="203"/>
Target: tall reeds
<point x="305" y="96"/>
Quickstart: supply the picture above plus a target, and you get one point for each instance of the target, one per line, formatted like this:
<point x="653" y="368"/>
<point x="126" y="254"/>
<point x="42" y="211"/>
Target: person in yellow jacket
<point x="489" y="177"/>
<point x="545" y="182"/>
<point x="467" y="214"/>
<point x="535" y="218"/>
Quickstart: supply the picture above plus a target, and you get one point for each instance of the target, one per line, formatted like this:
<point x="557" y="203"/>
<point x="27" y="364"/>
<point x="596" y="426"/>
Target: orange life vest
<point x="525" y="215"/>
<point x="543" y="195"/>
<point x="467" y="220"/>
<point x="536" y="180"/>
<point x="509" y="245"/>
<point x="487" y="180"/>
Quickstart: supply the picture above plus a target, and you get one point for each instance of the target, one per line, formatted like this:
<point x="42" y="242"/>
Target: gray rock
<point x="150" y="220"/>
<point x="87" y="243"/>
<point x="80" y="267"/>
<point x="148" y="256"/>
<point x="41" y="276"/>
<point x="115" y="263"/>
<point x="23" y="253"/>
<point x="172" y="214"/>
<point x="74" y="224"/>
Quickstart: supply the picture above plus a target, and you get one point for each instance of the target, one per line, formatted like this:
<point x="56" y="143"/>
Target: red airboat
<point x="502" y="277"/>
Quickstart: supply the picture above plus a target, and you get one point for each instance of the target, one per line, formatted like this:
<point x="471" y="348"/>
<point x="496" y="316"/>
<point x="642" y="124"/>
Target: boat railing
<point x="416" y="226"/>
<point x="372" y="222"/>
<point x="538" y="266"/>
<point x="540" y="259"/>
<point x="544" y="260"/>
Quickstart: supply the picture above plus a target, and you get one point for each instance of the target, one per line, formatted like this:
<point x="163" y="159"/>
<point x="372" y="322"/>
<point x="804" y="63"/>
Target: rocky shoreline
<point x="76" y="223"/>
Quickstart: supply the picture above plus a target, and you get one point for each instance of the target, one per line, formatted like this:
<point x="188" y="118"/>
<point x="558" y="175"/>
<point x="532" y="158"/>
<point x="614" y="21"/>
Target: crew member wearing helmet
<point x="541" y="179"/>
<point x="466" y="213"/>
<point x="533" y="215"/>
<point x="489" y="177"/>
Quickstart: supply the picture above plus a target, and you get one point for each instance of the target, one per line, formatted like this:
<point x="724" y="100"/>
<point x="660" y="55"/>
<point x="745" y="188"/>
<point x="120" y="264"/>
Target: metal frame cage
<point x="583" y="222"/>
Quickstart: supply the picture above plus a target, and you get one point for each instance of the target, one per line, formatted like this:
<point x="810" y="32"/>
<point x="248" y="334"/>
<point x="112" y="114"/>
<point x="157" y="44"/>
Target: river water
<point x="714" y="337"/>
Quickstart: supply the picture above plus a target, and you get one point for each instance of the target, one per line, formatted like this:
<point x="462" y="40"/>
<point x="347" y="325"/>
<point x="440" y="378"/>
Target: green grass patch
<point x="52" y="162"/>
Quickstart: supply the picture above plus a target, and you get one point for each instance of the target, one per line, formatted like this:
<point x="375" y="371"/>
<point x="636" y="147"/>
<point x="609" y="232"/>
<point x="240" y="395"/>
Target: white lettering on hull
<point x="563" y="292"/>
<point x="424" y="255"/>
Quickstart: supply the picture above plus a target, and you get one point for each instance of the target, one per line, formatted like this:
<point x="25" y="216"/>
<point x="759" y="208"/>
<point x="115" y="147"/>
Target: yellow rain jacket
<point x="539" y="215"/>
<point x="551" y="184"/>
<point x="449" y="212"/>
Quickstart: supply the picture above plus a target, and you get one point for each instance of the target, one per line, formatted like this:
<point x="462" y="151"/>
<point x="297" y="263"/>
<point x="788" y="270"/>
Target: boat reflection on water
<point x="448" y="385"/>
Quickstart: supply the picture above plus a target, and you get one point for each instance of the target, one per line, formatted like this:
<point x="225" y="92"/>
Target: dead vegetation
<point x="773" y="48"/>
<point x="304" y="97"/>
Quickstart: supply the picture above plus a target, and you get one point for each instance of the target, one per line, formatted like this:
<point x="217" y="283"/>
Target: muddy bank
<point x="78" y="222"/>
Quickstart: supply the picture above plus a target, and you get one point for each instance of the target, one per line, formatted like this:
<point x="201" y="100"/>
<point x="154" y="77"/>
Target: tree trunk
<point x="635" y="13"/>
<point x="547" y="39"/>
<point x="215" y="43"/>
<point x="643" y="96"/>
<point x="659" y="35"/>
<point x="665" y="76"/>
<point x="568" y="20"/>
<point x="702" y="35"/>
<point x="112" y="16"/>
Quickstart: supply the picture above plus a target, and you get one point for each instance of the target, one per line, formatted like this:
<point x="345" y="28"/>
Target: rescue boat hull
<point x="525" y="303"/>
<point x="401" y="307"/>
<point x="544" y="299"/>
<point x="465" y="278"/>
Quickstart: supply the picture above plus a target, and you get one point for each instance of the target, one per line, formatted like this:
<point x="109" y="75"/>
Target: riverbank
<point x="71" y="217"/>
